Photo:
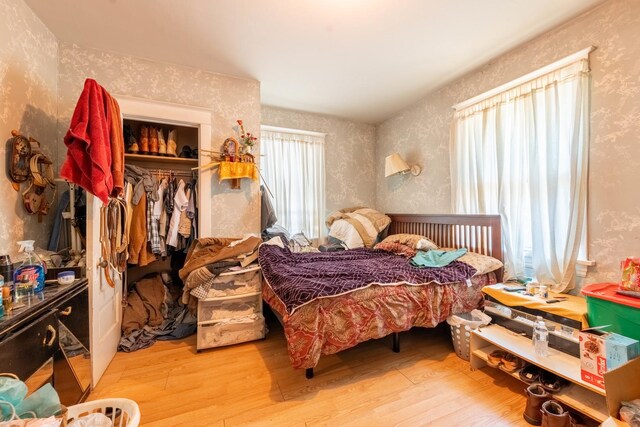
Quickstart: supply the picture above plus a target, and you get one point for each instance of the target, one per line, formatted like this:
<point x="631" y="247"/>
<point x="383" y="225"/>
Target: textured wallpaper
<point x="349" y="155"/>
<point x="28" y="86"/>
<point x="421" y="132"/>
<point x="41" y="81"/>
<point x="234" y="212"/>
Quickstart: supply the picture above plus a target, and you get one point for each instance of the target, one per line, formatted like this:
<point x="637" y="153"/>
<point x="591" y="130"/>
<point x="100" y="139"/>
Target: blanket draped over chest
<point x="208" y="253"/>
<point x="299" y="278"/>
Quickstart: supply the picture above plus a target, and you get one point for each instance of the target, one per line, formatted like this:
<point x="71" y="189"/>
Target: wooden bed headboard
<point x="477" y="233"/>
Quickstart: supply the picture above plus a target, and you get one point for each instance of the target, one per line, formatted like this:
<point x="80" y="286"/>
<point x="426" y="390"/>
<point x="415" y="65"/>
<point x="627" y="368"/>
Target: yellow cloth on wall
<point x="574" y="307"/>
<point x="235" y="170"/>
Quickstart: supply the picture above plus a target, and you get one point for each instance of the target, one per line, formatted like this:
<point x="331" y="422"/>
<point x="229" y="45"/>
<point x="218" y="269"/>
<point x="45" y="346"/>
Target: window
<point x="522" y="151"/>
<point x="293" y="168"/>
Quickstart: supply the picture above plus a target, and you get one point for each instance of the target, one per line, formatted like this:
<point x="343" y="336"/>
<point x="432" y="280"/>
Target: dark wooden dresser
<point x="47" y="340"/>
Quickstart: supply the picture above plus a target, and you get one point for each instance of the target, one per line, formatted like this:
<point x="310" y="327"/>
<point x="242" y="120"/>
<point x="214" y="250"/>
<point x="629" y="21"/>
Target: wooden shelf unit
<point x="579" y="395"/>
<point x="185" y="135"/>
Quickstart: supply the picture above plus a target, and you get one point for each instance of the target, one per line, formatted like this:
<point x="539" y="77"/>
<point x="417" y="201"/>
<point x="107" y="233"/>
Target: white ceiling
<point x="358" y="59"/>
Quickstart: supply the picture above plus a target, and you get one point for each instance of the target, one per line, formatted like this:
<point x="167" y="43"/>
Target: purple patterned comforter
<point x="299" y="278"/>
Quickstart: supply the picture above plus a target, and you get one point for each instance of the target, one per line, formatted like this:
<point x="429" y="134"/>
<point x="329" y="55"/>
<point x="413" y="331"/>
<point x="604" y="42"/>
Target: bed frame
<point x="477" y="233"/>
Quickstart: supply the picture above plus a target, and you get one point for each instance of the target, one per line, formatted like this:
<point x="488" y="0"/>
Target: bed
<point x="317" y="322"/>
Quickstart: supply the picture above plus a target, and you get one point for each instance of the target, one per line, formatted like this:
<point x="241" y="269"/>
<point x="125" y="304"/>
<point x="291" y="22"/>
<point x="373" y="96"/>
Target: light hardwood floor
<point x="425" y="384"/>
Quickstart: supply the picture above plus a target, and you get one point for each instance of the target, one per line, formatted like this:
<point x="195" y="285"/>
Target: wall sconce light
<point x="394" y="164"/>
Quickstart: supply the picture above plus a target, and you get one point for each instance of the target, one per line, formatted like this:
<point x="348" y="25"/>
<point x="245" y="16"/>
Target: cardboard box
<point x="623" y="385"/>
<point x="604" y="351"/>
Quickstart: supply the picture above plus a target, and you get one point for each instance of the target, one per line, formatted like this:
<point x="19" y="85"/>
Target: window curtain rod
<point x="291" y="131"/>
<point x="582" y="54"/>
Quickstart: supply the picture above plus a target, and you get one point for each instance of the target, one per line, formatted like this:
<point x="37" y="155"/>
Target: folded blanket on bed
<point x="436" y="258"/>
<point x="357" y="227"/>
<point x="299" y="278"/>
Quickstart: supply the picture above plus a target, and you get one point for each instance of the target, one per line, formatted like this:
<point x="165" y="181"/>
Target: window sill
<point x="582" y="266"/>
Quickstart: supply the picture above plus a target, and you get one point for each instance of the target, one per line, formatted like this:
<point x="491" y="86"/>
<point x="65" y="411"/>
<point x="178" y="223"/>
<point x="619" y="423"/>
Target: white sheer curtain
<point x="293" y="167"/>
<point x="524" y="154"/>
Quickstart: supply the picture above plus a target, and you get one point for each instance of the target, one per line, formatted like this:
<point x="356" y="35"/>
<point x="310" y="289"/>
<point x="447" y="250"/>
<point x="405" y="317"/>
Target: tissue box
<point x="603" y="351"/>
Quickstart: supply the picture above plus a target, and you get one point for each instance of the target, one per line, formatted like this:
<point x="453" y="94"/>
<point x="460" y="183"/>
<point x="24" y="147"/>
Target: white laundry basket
<point x="122" y="412"/>
<point x="461" y="327"/>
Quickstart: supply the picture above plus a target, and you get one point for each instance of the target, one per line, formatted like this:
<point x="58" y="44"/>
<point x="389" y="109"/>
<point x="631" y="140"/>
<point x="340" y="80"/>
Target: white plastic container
<point x="543" y="292"/>
<point x="461" y="327"/>
<point x="228" y="308"/>
<point x="232" y="331"/>
<point x="236" y="283"/>
<point x="121" y="412"/>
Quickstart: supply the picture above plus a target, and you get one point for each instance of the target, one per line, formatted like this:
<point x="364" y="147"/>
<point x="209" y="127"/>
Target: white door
<point x="105" y="302"/>
<point x="105" y="310"/>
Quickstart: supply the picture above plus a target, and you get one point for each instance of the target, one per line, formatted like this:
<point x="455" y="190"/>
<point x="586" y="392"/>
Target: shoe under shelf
<point x="578" y="395"/>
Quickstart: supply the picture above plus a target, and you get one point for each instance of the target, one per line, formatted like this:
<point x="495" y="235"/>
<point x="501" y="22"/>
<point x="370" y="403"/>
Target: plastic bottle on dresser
<point x="6" y="270"/>
<point x="7" y="298"/>
<point x="29" y="276"/>
<point x="540" y="337"/>
<point x="1" y="296"/>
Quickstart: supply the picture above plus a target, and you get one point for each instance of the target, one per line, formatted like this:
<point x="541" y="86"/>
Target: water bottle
<point x="540" y="338"/>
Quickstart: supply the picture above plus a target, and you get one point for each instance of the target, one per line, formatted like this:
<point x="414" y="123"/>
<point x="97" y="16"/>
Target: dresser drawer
<point x="236" y="283"/>
<point x="73" y="312"/>
<point x="229" y="307"/>
<point x="229" y="332"/>
<point x="26" y="350"/>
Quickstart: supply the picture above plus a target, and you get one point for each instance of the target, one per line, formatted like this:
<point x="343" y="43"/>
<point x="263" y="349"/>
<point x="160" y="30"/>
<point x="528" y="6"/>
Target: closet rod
<point x="170" y="172"/>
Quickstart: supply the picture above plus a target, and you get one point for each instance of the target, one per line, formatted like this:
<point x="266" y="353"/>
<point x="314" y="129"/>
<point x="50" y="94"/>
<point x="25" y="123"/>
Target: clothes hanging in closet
<point x="58" y="224"/>
<point x="158" y="209"/>
<point x="163" y="214"/>
<point x="139" y="252"/>
<point x="180" y="203"/>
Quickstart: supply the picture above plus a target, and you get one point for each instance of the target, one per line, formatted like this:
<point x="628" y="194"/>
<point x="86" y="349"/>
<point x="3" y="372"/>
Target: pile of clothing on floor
<point x="154" y="312"/>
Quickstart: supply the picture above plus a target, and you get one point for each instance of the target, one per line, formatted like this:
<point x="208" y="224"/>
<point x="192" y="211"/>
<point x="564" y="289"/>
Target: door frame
<point x="105" y="306"/>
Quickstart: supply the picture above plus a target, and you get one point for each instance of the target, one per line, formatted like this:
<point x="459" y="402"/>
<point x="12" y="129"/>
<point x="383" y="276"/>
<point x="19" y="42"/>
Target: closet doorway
<point x="104" y="301"/>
